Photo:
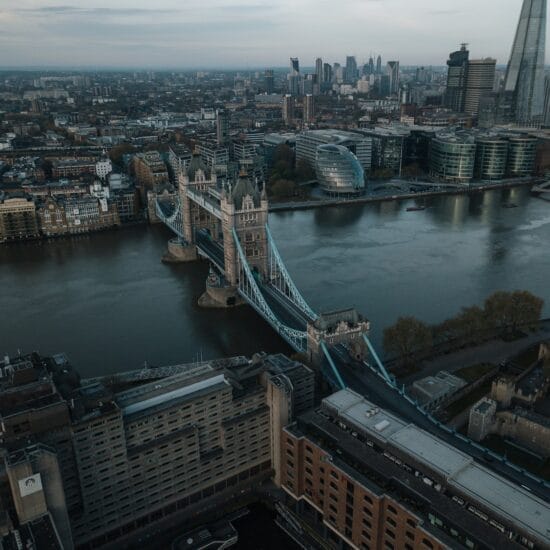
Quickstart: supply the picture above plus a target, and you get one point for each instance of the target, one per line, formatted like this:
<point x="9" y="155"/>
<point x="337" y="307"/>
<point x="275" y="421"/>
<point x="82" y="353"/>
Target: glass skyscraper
<point x="524" y="82"/>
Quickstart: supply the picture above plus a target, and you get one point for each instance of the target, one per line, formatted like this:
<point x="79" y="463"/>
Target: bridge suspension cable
<point x="281" y="279"/>
<point x="250" y="291"/>
<point x="173" y="219"/>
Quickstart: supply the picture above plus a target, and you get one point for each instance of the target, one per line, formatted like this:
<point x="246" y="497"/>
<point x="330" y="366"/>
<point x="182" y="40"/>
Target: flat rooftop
<point x="166" y="399"/>
<point x="503" y="497"/>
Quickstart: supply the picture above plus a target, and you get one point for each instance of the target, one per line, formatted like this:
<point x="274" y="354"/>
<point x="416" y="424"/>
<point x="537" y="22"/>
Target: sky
<point x="249" y="33"/>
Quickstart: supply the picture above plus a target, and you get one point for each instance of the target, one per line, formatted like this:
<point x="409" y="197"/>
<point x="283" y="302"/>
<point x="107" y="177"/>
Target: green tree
<point x="508" y="310"/>
<point x="304" y="172"/>
<point x="283" y="153"/>
<point x="283" y="189"/>
<point x="407" y="337"/>
<point x="118" y="151"/>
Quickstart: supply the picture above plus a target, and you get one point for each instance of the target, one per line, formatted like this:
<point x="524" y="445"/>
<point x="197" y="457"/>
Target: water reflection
<point x="109" y="302"/>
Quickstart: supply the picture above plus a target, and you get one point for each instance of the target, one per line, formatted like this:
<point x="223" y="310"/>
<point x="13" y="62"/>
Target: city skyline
<point x="220" y="34"/>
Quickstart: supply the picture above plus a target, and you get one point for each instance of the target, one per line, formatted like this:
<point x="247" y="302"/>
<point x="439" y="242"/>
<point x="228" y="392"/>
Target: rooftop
<point x="457" y="468"/>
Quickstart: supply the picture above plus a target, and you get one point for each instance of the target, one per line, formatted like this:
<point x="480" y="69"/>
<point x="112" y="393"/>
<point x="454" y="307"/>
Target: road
<point x="362" y="380"/>
<point x="495" y="352"/>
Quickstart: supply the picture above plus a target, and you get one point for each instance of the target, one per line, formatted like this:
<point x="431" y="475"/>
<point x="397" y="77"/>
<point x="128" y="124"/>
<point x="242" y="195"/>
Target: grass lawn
<point x="468" y="400"/>
<point x="475" y="372"/>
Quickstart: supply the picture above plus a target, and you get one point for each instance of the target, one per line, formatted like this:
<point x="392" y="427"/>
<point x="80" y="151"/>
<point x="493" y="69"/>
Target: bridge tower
<point x="245" y="208"/>
<point x="199" y="179"/>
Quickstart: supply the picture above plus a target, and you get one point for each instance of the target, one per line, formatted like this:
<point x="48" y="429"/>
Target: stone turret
<point x="245" y="209"/>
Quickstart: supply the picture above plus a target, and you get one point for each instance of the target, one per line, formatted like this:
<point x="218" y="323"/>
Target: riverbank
<point x="398" y="196"/>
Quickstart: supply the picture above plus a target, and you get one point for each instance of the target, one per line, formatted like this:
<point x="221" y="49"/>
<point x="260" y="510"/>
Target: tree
<point x="283" y="189"/>
<point x="508" y="310"/>
<point x="304" y="172"/>
<point x="407" y="337"/>
<point x="283" y="153"/>
<point x="118" y="151"/>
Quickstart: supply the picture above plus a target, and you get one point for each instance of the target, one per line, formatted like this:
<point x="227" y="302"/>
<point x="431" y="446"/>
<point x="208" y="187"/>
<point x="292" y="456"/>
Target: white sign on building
<point x="30" y="485"/>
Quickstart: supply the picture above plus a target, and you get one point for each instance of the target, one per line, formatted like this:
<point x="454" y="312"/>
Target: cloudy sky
<point x="249" y="33"/>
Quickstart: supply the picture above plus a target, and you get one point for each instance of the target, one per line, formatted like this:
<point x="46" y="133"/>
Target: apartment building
<point x="362" y="478"/>
<point x="146" y="451"/>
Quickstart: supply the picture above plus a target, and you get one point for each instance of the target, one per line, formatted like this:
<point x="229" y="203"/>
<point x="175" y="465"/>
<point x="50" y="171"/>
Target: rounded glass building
<point x="453" y="157"/>
<point x="338" y="170"/>
<point x="491" y="157"/>
<point x="521" y="155"/>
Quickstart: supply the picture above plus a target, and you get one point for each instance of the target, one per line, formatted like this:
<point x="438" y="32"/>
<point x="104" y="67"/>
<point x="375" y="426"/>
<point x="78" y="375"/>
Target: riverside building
<point x="360" y="477"/>
<point x="115" y="456"/>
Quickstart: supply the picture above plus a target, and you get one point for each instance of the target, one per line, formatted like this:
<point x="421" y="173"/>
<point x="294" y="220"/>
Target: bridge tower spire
<point x="245" y="209"/>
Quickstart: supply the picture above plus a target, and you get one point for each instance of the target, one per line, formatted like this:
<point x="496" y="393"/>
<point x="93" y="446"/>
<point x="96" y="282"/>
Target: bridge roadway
<point x="364" y="381"/>
<point x="360" y="378"/>
<point x="285" y="311"/>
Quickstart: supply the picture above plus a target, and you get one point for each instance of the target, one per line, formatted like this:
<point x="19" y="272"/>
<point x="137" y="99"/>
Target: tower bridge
<point x="227" y="224"/>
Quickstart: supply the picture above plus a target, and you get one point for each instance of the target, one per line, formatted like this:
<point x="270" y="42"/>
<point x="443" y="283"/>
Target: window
<point x="409" y="535"/>
<point x="390" y="533"/>
<point x="427" y="543"/>
<point x="391" y="521"/>
<point x="392" y="509"/>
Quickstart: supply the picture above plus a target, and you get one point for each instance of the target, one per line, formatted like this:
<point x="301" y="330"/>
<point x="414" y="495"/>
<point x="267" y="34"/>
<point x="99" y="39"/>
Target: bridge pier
<point x="219" y="294"/>
<point x="180" y="252"/>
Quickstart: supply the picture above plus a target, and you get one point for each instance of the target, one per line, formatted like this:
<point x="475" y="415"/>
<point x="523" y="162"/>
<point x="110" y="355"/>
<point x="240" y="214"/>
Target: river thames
<point x="110" y="304"/>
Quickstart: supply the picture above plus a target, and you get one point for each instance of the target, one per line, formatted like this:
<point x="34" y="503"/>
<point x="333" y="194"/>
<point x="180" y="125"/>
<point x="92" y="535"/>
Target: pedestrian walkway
<point x="495" y="351"/>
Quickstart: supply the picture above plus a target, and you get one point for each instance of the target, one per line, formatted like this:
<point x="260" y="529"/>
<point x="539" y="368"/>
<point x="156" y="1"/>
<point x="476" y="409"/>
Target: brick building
<point x="360" y="477"/>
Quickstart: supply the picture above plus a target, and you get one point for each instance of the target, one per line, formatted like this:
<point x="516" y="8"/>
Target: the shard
<point x="524" y="83"/>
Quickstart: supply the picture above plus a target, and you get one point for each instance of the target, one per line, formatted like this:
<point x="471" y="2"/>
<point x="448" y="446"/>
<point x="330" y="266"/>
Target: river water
<point x="111" y="305"/>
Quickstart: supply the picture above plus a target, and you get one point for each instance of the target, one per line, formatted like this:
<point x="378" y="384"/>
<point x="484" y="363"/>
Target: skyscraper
<point x="269" y="81"/>
<point x="379" y="65"/>
<point x="327" y="73"/>
<point x="392" y="70"/>
<point x="351" y="70"/>
<point x="294" y="77"/>
<point x="222" y="128"/>
<point x="288" y="109"/>
<point x="319" y="70"/>
<point x="524" y="83"/>
<point x="455" y="95"/>
<point x="480" y="81"/>
<point x="309" y="108"/>
<point x="371" y="66"/>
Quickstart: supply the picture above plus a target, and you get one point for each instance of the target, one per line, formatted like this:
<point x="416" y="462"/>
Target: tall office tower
<point x="392" y="70"/>
<point x="294" y="66"/>
<point x="222" y="128"/>
<point x="379" y="65"/>
<point x="269" y="81"/>
<point x="371" y="66"/>
<point x="327" y="73"/>
<point x="524" y="82"/>
<point x="546" y="115"/>
<point x="338" y="73"/>
<point x="480" y="81"/>
<point x="455" y="95"/>
<point x="308" y="84"/>
<point x="350" y="76"/>
<point x="319" y="70"/>
<point x="288" y="109"/>
<point x="309" y="109"/>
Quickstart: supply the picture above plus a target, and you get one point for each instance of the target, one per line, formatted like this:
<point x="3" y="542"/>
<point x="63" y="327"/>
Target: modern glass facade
<point x="525" y="73"/>
<point x="453" y="158"/>
<point x="491" y="157"/>
<point x="338" y="170"/>
<point x="521" y="155"/>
